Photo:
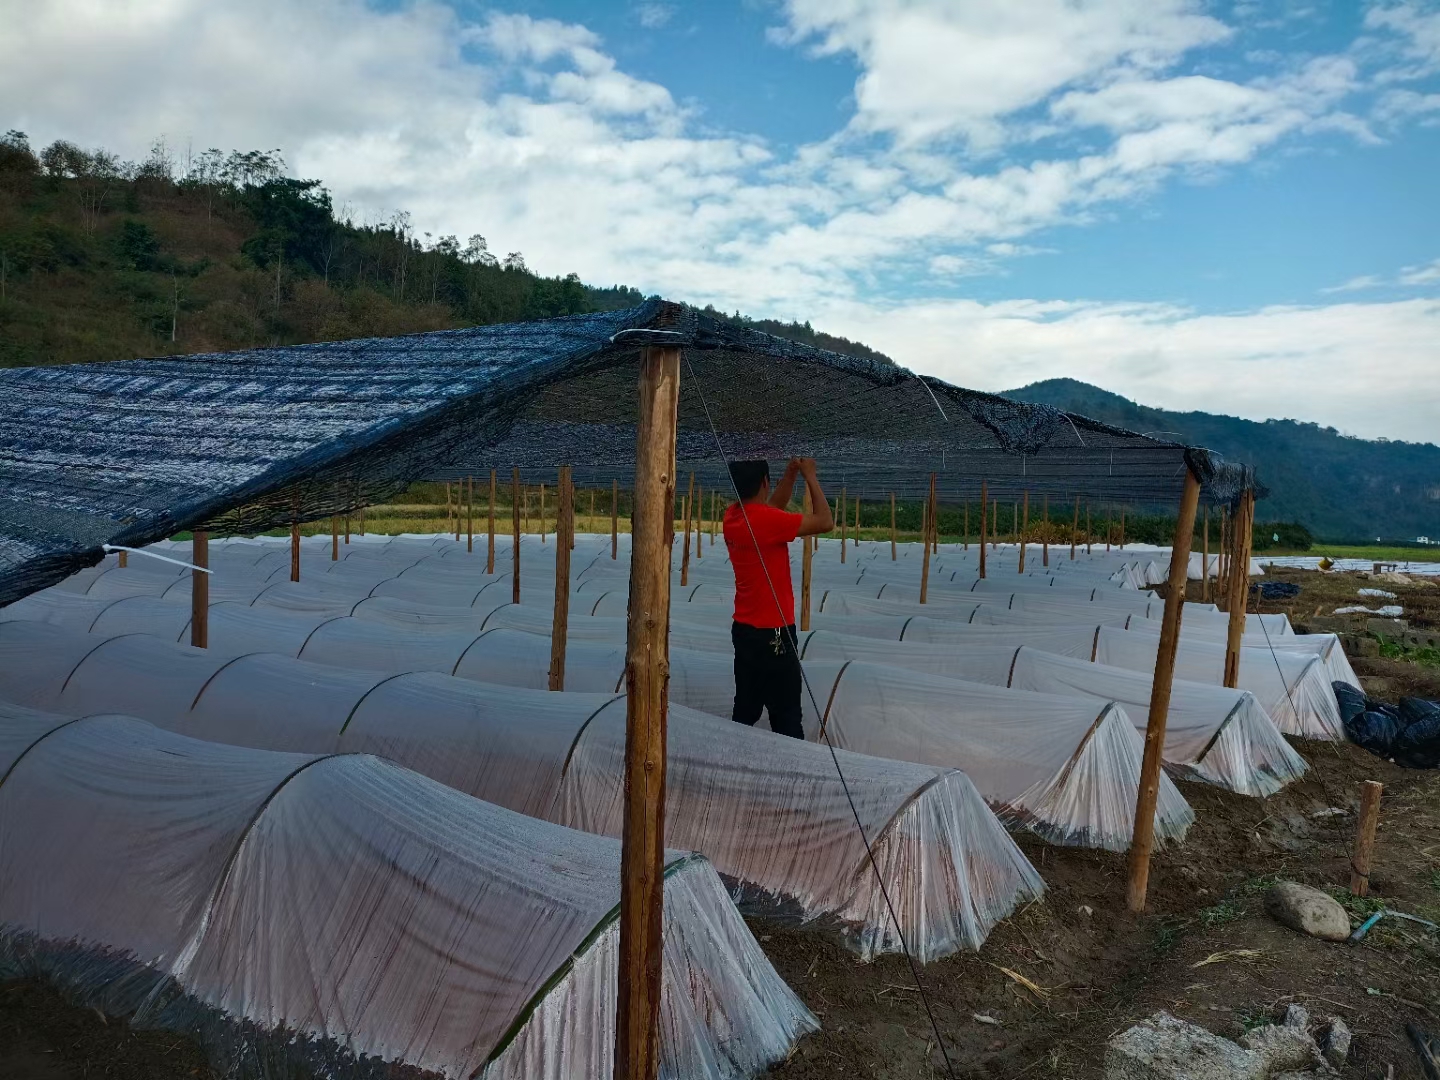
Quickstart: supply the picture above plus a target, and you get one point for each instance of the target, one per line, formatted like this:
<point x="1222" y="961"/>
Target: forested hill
<point x="102" y="259"/>
<point x="1341" y="488"/>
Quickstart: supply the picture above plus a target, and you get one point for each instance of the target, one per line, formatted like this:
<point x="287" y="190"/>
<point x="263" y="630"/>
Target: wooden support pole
<point x="614" y="520"/>
<point x="1087" y="526"/>
<point x="294" y="550"/>
<point x="1075" y="528"/>
<point x="647" y="677"/>
<point x="490" y="540"/>
<point x="699" y="518"/>
<point x="470" y="513"/>
<point x="1122" y="530"/>
<point x="122" y="560"/>
<point x="1144" y="836"/>
<point x="807" y="554"/>
<point x="844" y="524"/>
<point x="934" y="518"/>
<point x="984" y="507"/>
<point x="334" y="538"/>
<point x="925" y="542"/>
<point x="200" y="590"/>
<point x="1205" y="560"/>
<point x="1109" y="527"/>
<point x="542" y="513"/>
<point x="564" y="534"/>
<point x="1241" y="529"/>
<point x="966" y="538"/>
<point x="515" y="500"/>
<point x="1045" y="530"/>
<point x="347" y="528"/>
<point x="1024" y="532"/>
<point x="1365" y="837"/>
<point x="894" y="555"/>
<point x="685" y="514"/>
<point x="1222" y="565"/>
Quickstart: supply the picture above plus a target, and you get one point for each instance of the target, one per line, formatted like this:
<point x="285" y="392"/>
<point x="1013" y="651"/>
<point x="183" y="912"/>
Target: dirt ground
<point x="1058" y="979"/>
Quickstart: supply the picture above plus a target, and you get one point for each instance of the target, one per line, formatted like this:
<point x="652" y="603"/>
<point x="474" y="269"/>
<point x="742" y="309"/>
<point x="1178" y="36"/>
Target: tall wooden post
<point x="1144" y="836"/>
<point x="347" y="528"/>
<point x="614" y="520"/>
<point x="470" y="513"/>
<point x="542" y="513"/>
<point x="934" y="518"/>
<point x="1122" y="531"/>
<point x="699" y="519"/>
<point x="925" y="541"/>
<point x="564" y="534"/>
<point x="685" y="558"/>
<point x="1045" y="530"/>
<point x="1365" y="837"/>
<point x="334" y="538"/>
<point x="1205" y="560"/>
<point x="844" y="524"/>
<point x="966" y="538"/>
<point x="647" y="677"/>
<point x="1241" y="528"/>
<point x="1024" y="532"/>
<point x="1087" y="527"/>
<point x="807" y="552"/>
<point x="1222" y="565"/>
<point x="200" y="590"/>
<point x="1109" y="527"/>
<point x="294" y="550"/>
<point x="894" y="555"/>
<point x="122" y="560"/>
<point x="984" y="507"/>
<point x="515" y="499"/>
<point x="490" y="540"/>
<point x="1075" y="528"/>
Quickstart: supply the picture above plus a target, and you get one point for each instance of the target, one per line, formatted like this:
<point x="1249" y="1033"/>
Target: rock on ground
<point x="1307" y="910"/>
<point x="1167" y="1048"/>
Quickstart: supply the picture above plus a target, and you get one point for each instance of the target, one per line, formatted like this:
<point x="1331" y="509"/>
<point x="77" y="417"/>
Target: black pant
<point x="767" y="677"/>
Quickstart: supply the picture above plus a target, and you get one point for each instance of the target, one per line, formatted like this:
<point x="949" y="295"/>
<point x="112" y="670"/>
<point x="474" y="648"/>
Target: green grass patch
<point x="1424" y="655"/>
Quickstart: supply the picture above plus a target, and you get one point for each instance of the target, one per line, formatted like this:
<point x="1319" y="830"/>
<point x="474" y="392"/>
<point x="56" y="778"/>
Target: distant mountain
<point x="1341" y="488"/>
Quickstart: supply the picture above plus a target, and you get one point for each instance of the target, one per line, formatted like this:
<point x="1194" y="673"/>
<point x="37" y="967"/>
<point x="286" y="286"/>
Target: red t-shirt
<point x="773" y="529"/>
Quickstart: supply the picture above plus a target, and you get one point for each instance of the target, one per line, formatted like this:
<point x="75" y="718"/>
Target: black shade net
<point x="130" y="452"/>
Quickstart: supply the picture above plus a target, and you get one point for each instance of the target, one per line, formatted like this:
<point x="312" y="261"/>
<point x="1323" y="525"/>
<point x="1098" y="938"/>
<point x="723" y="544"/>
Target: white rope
<point x="108" y="548"/>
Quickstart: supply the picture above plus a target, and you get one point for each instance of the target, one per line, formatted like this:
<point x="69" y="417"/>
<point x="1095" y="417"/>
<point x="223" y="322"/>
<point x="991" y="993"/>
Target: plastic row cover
<point x="1325" y="646"/>
<point x="337" y="913"/>
<point x="768" y="812"/>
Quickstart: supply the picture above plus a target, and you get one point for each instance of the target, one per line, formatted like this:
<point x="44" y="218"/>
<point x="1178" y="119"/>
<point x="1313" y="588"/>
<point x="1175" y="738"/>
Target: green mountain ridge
<point x="1344" y="489"/>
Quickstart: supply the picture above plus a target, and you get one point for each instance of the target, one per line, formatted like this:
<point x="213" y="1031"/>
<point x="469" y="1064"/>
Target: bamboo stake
<point x="685" y="558"/>
<point x="894" y="555"/>
<point x="1075" y="528"/>
<point x="542" y="513"/>
<point x="1045" y="530"/>
<point x="1205" y="561"/>
<point x="966" y="538"/>
<point x="1144" y="836"/>
<point x="1241" y="530"/>
<point x="200" y="590"/>
<point x="294" y="550"/>
<point x="515" y="508"/>
<point x="984" y="506"/>
<point x="1024" y="531"/>
<point x="807" y="552"/>
<point x="925" y="543"/>
<point x="564" y="535"/>
<point x="647" y="650"/>
<point x="614" y="520"/>
<point x="490" y="544"/>
<point x="841" y="508"/>
<point x="1365" y="837"/>
<point x="470" y="513"/>
<point x="123" y="559"/>
<point x="1122" y="531"/>
<point x="699" y="519"/>
<point x="334" y="538"/>
<point x="1087" y="526"/>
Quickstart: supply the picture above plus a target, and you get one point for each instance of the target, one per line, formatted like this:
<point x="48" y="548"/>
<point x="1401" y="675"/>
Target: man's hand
<point x="804" y="465"/>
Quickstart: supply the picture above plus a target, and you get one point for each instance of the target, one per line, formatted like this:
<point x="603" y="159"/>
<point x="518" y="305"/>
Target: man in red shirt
<point x="758" y="531"/>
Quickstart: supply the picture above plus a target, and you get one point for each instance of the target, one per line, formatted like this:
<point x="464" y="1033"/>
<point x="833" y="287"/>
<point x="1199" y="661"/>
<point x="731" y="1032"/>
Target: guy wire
<point x="834" y="757"/>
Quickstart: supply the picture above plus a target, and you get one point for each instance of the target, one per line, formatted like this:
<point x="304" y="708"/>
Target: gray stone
<point x="1283" y="1047"/>
<point x="1388" y="628"/>
<point x="1167" y="1048"/>
<point x="1335" y="1042"/>
<point x="1296" y="1017"/>
<point x="1307" y="910"/>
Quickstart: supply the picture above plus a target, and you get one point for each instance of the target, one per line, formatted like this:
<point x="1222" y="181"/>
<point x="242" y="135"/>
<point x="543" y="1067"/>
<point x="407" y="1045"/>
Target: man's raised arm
<point x="820" y="519"/>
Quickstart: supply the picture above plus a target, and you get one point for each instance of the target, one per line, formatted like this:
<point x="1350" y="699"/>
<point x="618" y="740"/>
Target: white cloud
<point x="1421" y="275"/>
<point x="1417" y="27"/>
<point x="1356" y="284"/>
<point x="654" y="16"/>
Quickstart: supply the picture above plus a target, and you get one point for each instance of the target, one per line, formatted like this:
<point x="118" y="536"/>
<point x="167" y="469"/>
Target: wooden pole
<point x="1122" y="531"/>
<point x="334" y="538"/>
<point x="1240" y="528"/>
<point x="984" y="507"/>
<point x="122" y="560"/>
<point x="564" y="534"/>
<point x="515" y="500"/>
<point x="1075" y="528"/>
<point x="966" y="538"/>
<point x="1109" y="527"/>
<point x="347" y="528"/>
<point x="470" y="513"/>
<point x="614" y="520"/>
<point x="934" y="518"/>
<point x="685" y="558"/>
<point x="925" y="542"/>
<point x="647" y="676"/>
<point x="1222" y="566"/>
<point x="200" y="590"/>
<point x="294" y="550"/>
<point x="1045" y="530"/>
<point x="1205" y="560"/>
<point x="1365" y="837"/>
<point x="1144" y="836"/>
<point x="894" y="555"/>
<point x="542" y="513"/>
<point x="447" y="506"/>
<point x="843" y="525"/>
<point x="807" y="553"/>
<point x="699" y="519"/>
<point x="1024" y="532"/>
<point x="490" y="544"/>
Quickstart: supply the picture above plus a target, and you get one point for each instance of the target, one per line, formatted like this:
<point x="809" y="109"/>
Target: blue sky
<point x="1225" y="206"/>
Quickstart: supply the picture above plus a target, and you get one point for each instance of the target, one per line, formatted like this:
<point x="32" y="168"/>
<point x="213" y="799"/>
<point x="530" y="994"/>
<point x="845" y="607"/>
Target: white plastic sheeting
<point x="771" y="813"/>
<point x="1325" y="646"/>
<point x="316" y="911"/>
<point x="1213" y="733"/>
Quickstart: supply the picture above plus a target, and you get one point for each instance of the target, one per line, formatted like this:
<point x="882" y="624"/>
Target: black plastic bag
<point x="1375" y="731"/>
<point x="1418" y="746"/>
<point x="1275" y="590"/>
<point x="1352" y="702"/>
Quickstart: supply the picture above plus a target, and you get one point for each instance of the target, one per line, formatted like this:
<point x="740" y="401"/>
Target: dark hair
<point x="748" y="476"/>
